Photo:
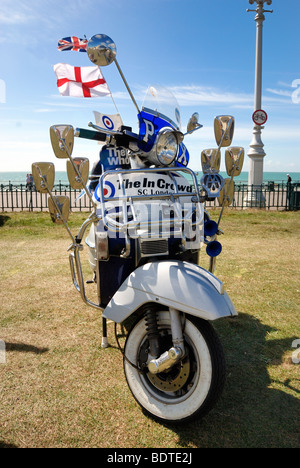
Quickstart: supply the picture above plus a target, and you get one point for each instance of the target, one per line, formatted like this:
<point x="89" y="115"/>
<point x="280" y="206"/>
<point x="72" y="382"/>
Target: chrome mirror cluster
<point x="62" y="140"/>
<point x="212" y="182"/>
<point x="43" y="174"/>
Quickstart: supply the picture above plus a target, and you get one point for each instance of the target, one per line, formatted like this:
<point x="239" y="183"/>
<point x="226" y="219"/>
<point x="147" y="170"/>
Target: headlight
<point x="166" y="148"/>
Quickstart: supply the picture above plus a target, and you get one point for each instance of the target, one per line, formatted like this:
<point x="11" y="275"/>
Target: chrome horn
<point x="213" y="249"/>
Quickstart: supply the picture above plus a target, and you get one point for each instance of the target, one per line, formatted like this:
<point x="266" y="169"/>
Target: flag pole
<point x="112" y="98"/>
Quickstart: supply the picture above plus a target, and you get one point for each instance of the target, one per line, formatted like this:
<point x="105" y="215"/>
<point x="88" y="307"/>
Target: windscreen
<point x="162" y="101"/>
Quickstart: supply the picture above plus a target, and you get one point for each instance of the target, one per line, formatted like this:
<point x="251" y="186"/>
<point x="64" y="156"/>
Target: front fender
<point x="180" y="285"/>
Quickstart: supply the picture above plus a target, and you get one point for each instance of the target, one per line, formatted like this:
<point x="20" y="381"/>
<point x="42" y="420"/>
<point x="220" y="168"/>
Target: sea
<point x="17" y="178"/>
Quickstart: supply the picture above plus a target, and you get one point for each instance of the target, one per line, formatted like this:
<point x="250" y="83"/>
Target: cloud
<point x="205" y="95"/>
<point x="16" y="13"/>
<point x="14" y="18"/>
<point x="243" y="135"/>
<point x="43" y="110"/>
<point x="43" y="15"/>
<point x="201" y="95"/>
<point x="284" y="84"/>
<point x="280" y="92"/>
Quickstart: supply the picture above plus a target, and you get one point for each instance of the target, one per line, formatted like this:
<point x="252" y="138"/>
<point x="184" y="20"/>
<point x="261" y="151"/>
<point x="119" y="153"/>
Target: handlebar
<point x="124" y="138"/>
<point x="90" y="134"/>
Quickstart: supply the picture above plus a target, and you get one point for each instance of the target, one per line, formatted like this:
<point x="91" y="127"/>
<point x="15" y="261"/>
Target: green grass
<point x="58" y="388"/>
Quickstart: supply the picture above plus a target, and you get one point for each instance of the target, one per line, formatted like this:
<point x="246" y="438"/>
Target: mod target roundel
<point x="109" y="190"/>
<point x="107" y="122"/>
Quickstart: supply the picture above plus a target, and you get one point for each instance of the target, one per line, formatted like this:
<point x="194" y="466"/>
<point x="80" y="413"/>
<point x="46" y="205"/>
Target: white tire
<point x="192" y="386"/>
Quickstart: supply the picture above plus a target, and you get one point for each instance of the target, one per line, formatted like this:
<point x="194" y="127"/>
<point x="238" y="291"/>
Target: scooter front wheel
<point x="192" y="386"/>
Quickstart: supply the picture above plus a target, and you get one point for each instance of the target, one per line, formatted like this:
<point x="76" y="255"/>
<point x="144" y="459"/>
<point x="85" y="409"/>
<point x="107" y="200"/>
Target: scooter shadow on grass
<point x="7" y="445"/>
<point x="25" y="348"/>
<point x="250" y="413"/>
<point x="3" y="219"/>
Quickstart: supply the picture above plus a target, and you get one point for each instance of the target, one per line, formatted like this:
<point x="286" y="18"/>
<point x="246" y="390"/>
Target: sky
<point x="203" y="51"/>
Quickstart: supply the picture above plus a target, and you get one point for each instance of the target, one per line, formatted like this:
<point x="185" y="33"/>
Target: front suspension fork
<point x="160" y="363"/>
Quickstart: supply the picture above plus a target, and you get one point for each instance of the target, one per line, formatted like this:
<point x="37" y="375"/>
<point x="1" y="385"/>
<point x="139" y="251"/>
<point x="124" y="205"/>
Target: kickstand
<point x="92" y="280"/>
<point x="104" y="342"/>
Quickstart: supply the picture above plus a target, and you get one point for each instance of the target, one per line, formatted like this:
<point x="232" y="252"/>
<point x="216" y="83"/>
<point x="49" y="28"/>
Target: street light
<point x="256" y="152"/>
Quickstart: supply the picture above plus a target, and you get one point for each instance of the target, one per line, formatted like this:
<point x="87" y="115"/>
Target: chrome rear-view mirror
<point x="82" y="165"/>
<point x="193" y="123"/>
<point x="43" y="174"/>
<point x="59" y="209"/>
<point x="210" y="161"/>
<point x="62" y="140"/>
<point x="101" y="50"/>
<point x="224" y="130"/>
<point x="226" y="194"/>
<point x="234" y="160"/>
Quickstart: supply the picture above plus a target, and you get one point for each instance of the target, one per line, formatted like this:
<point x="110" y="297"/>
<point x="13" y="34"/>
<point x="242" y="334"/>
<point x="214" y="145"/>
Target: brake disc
<point x="174" y="379"/>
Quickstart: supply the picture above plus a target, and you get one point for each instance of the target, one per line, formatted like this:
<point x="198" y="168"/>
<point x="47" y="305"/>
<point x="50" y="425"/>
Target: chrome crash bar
<point x="75" y="265"/>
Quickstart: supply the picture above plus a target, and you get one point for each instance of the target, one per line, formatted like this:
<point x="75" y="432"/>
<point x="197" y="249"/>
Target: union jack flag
<point x="72" y="43"/>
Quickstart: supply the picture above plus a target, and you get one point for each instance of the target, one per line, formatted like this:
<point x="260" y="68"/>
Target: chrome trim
<point x="77" y="278"/>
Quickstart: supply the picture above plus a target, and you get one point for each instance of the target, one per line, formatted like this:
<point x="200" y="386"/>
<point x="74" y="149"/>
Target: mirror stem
<point x="126" y="84"/>
<point x="226" y="194"/>
<point x="223" y="136"/>
<point x="57" y="207"/>
<point x="79" y="175"/>
<point x="194" y="130"/>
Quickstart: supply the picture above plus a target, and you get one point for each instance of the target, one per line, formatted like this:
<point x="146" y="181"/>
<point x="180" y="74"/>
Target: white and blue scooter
<point x="147" y="227"/>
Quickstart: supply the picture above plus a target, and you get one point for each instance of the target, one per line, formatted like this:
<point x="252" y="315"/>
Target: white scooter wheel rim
<point x="166" y="407"/>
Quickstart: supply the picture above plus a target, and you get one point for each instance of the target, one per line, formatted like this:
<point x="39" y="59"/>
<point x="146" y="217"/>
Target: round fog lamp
<point x="167" y="148"/>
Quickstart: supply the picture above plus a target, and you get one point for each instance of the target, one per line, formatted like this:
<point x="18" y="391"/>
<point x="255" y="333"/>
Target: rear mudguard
<point x="180" y="285"/>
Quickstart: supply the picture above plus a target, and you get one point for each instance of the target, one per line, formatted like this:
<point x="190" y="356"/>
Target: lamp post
<point x="256" y="152"/>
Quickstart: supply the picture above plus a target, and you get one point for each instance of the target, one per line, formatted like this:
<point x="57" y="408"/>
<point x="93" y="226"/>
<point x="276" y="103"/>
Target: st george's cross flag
<point x="80" y="81"/>
<point x="72" y="43"/>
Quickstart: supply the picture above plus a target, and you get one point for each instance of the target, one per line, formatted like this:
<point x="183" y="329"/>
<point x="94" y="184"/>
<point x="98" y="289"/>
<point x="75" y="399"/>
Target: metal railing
<point x="20" y="198"/>
<point x="269" y="196"/>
